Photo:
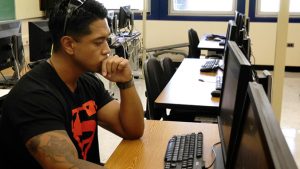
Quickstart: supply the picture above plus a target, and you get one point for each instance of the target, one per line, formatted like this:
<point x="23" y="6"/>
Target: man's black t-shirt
<point x="41" y="102"/>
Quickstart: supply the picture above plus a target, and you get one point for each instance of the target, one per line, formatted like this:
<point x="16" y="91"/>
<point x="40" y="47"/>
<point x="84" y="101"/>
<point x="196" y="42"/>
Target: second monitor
<point x="40" y="41"/>
<point x="125" y="18"/>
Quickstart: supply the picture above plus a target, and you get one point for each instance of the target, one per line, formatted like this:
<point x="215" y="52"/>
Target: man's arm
<point x="126" y="118"/>
<point x="54" y="149"/>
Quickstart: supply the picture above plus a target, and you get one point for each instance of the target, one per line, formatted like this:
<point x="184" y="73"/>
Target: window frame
<point x="134" y="10"/>
<point x="255" y="18"/>
<point x="172" y="12"/>
<point x="259" y="13"/>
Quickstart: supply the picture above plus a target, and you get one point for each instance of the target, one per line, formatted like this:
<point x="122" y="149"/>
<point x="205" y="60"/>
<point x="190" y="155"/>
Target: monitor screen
<point x="230" y="34"/>
<point x="240" y="24"/>
<point x="237" y="74"/>
<point x="11" y="46"/>
<point x="40" y="41"/>
<point x="247" y="25"/>
<point x="246" y="47"/>
<point x="262" y="144"/>
<point x="6" y="52"/>
<point x="125" y="18"/>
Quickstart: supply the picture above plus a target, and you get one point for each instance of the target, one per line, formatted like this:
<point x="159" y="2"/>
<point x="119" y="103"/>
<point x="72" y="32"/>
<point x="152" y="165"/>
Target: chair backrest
<point x="168" y="67"/>
<point x="155" y="83"/>
<point x="194" y="51"/>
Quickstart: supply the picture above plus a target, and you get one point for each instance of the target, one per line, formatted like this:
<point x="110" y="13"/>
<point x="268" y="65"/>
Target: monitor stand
<point x="219" y="163"/>
<point x="8" y="81"/>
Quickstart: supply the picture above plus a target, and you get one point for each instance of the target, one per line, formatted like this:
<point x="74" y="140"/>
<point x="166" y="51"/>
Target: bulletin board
<point x="7" y="10"/>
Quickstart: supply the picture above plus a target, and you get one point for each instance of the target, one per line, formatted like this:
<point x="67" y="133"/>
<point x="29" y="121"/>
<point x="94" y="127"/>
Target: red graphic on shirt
<point x="84" y="129"/>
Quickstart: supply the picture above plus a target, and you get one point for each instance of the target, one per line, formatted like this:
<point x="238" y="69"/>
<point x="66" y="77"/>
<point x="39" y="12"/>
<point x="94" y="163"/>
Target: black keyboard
<point x="219" y="81"/>
<point x="185" y="152"/>
<point x="210" y="65"/>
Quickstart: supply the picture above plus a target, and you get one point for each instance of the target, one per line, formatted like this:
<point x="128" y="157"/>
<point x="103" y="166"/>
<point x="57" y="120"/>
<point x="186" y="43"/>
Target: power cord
<point x="252" y="67"/>
<point x="213" y="150"/>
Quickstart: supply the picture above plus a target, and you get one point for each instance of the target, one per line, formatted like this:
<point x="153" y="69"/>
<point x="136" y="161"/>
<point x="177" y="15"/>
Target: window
<point x="202" y="7"/>
<point x="115" y="4"/>
<point x="271" y="7"/>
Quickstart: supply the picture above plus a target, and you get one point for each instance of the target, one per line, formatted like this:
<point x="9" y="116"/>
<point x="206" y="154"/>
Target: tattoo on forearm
<point x="53" y="147"/>
<point x="57" y="149"/>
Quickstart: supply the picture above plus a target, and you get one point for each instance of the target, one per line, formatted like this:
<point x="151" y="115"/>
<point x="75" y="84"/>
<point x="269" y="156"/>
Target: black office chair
<point x="168" y="67"/>
<point x="155" y="83"/>
<point x="194" y="51"/>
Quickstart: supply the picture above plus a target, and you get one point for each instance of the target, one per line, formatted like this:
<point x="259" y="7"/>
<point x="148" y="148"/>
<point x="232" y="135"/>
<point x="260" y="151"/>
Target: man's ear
<point x="67" y="44"/>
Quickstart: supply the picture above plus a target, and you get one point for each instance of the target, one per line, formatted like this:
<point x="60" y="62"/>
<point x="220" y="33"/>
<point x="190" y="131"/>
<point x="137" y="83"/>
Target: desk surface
<point x="210" y="45"/>
<point x="184" y="90"/>
<point x="148" y="152"/>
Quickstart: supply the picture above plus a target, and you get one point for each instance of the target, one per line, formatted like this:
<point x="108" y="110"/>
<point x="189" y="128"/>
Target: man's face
<point x="90" y="50"/>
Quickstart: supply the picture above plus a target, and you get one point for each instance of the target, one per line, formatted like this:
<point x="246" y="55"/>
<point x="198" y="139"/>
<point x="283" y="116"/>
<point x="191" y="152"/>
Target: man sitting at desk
<point x="50" y="117"/>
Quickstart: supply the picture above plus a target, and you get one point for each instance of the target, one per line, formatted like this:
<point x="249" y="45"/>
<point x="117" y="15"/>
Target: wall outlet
<point x="290" y="45"/>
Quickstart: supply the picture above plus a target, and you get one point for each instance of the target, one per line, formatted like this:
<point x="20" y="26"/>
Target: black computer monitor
<point x="48" y="5"/>
<point x="262" y="144"/>
<point x="240" y="24"/>
<point x="265" y="79"/>
<point x="125" y="18"/>
<point x="40" y="41"/>
<point x="230" y="34"/>
<point x="11" y="49"/>
<point x="247" y="25"/>
<point x="237" y="74"/>
<point x="246" y="47"/>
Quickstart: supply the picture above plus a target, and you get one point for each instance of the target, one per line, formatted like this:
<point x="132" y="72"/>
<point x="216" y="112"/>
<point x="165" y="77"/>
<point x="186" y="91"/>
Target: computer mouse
<point x="216" y="93"/>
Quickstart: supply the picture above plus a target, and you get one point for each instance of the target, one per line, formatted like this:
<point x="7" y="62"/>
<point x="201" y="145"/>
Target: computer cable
<point x="213" y="150"/>
<point x="255" y="76"/>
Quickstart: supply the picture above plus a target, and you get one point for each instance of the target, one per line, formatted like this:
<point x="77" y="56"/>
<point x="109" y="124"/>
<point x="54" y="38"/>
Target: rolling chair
<point x="168" y="68"/>
<point x="194" y="51"/>
<point x="155" y="83"/>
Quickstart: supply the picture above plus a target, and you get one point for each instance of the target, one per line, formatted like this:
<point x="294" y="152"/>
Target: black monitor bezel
<point x="11" y="32"/>
<point x="265" y="79"/>
<point x="233" y="54"/>
<point x="273" y="141"/>
<point x="40" y="43"/>
<point x="124" y="17"/>
<point x="230" y="35"/>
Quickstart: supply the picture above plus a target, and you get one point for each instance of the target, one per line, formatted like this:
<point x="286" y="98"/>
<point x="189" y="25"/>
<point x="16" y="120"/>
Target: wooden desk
<point x="185" y="91"/>
<point x="210" y="45"/>
<point x="148" y="152"/>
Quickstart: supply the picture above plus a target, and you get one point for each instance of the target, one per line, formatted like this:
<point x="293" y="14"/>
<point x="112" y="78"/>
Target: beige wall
<point x="27" y="9"/>
<point x="171" y="32"/>
<point x="261" y="34"/>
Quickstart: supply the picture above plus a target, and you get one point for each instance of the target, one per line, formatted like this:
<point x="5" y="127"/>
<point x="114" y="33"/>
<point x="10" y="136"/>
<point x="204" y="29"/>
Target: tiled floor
<point x="290" y="117"/>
